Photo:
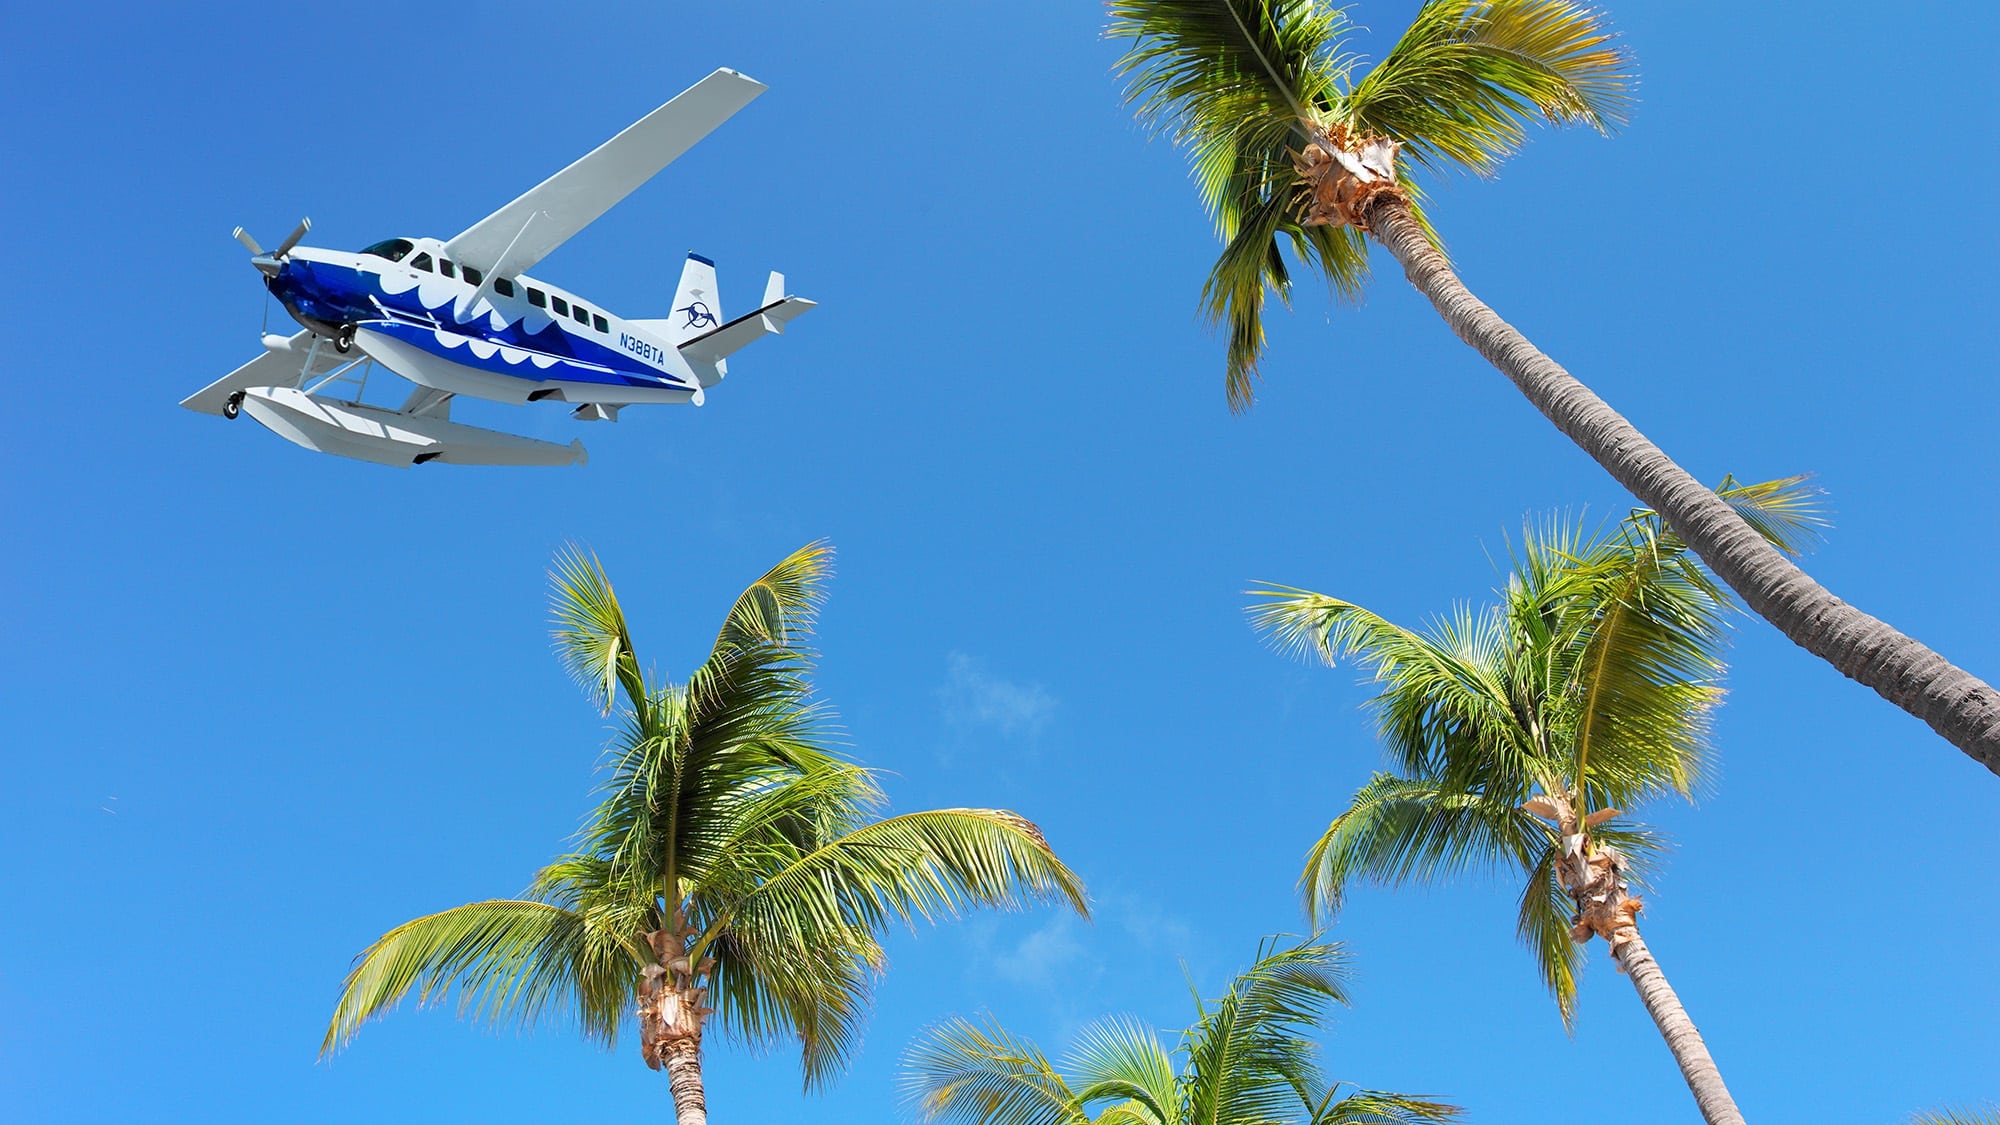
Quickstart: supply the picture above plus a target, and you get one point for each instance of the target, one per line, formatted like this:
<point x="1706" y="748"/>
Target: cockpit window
<point x="394" y="249"/>
<point x="422" y="262"/>
<point x="445" y="267"/>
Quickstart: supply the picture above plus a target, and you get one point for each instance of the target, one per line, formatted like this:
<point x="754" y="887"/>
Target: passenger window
<point x="536" y="297"/>
<point x="446" y="268"/>
<point x="597" y="322"/>
<point x="562" y="306"/>
<point x="503" y="287"/>
<point x="422" y="262"/>
<point x="581" y="315"/>
<point x="473" y="275"/>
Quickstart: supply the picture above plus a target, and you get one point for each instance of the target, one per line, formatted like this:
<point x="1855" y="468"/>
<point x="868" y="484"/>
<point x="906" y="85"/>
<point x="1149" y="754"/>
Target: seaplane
<point x="460" y="316"/>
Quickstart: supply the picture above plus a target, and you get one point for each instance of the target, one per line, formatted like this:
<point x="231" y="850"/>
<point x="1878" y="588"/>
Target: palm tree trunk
<point x="1956" y="704"/>
<point x="1717" y="1107"/>
<point x="683" y="1064"/>
<point x="1594" y="876"/>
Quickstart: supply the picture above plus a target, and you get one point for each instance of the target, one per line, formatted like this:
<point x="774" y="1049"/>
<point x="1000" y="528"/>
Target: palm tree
<point x="733" y="873"/>
<point x="1292" y="146"/>
<point x="1247" y="1059"/>
<point x="1519" y="733"/>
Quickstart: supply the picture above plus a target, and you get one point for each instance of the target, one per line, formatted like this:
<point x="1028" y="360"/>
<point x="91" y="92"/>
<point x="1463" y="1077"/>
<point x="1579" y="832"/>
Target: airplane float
<point x="457" y="316"/>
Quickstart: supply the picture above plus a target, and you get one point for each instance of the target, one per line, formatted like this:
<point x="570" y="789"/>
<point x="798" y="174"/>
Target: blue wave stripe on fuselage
<point x="342" y="294"/>
<point x="505" y="359"/>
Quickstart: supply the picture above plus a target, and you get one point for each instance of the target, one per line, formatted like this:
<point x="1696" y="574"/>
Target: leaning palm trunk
<point x="1717" y="1108"/>
<point x="1956" y="704"/>
<point x="1594" y="876"/>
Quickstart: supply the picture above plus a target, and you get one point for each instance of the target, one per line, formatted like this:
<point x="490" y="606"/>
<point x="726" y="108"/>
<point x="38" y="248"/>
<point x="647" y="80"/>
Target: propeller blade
<point x="249" y="243"/>
<point x="292" y="239"/>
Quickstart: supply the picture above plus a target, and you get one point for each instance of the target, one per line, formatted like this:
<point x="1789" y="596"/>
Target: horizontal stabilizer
<point x="706" y="352"/>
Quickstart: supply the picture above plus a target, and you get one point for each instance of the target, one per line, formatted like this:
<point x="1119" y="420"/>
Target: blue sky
<point x="258" y="706"/>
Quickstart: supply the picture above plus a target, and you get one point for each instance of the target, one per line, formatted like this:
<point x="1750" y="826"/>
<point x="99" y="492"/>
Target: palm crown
<point x="1289" y="139"/>
<point x="1248" y="1060"/>
<point x="1587" y="689"/>
<point x="733" y="867"/>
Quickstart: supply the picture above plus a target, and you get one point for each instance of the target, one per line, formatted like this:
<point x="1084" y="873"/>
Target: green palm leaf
<point x="1444" y="696"/>
<point x="504" y="958"/>
<point x="1460" y="86"/>
<point x="1542" y="923"/>
<point x="1124" y="1062"/>
<point x="923" y="865"/>
<point x="1247" y="1056"/>
<point x="590" y="633"/>
<point x="1400" y="829"/>
<point x="960" y="1071"/>
<point x="1377" y="1107"/>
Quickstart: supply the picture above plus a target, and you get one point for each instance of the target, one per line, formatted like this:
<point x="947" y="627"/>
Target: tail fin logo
<point x="698" y="315"/>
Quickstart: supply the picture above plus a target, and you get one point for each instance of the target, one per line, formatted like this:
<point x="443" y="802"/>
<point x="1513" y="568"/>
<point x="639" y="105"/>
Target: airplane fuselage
<point x="510" y="339"/>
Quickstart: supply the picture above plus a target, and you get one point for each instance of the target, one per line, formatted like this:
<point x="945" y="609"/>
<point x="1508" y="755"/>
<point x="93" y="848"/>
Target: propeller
<point x="269" y="264"/>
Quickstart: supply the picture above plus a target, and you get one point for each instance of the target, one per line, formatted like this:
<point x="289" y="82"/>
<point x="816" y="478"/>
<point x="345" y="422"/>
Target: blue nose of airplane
<point x="318" y="294"/>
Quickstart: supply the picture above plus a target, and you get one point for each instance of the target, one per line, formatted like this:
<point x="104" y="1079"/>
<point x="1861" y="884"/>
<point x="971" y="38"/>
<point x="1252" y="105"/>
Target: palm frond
<point x="1543" y="926"/>
<point x="1462" y="83"/>
<point x="1198" y="68"/>
<point x="1397" y="829"/>
<point x="590" y="632"/>
<point x="1250" y="269"/>
<point x="1379" y="1107"/>
<point x="959" y="1071"/>
<point x="780" y="608"/>
<point x="1646" y="665"/>
<point x="1248" y="1056"/>
<point x="1123" y="1059"/>
<point x="772" y="983"/>
<point x="1790" y="512"/>
<point x="504" y="958"/>
<point x="1442" y="701"/>
<point x="758" y="821"/>
<point x="922" y="865"/>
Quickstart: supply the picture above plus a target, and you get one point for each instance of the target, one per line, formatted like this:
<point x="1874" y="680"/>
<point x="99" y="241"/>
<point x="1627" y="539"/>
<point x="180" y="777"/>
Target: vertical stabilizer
<point x="697" y="308"/>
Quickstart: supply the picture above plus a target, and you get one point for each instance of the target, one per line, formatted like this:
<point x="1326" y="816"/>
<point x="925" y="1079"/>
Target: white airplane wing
<point x="275" y="368"/>
<point x="525" y="231"/>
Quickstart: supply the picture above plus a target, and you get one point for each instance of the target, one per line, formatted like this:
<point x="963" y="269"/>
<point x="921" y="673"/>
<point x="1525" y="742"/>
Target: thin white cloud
<point x="1044" y="956"/>
<point x="974" y="697"/>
